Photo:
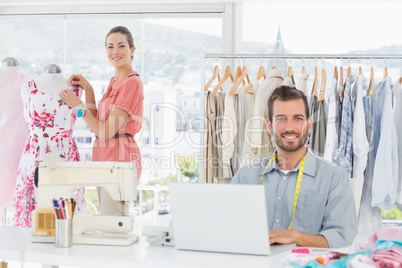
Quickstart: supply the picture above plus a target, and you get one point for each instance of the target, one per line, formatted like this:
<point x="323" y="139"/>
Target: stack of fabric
<point x="383" y="250"/>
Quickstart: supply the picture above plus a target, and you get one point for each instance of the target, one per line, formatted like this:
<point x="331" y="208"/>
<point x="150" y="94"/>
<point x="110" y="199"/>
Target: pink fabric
<point x="126" y="94"/>
<point x="13" y="133"/>
<point x="391" y="258"/>
<point x="394" y="234"/>
<point x="50" y="124"/>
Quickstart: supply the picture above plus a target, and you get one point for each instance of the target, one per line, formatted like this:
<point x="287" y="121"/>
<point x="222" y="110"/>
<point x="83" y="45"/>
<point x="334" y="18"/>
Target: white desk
<point x="140" y="254"/>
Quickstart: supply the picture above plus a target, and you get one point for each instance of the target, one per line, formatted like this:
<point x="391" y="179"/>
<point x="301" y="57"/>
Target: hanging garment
<point x="344" y="153"/>
<point x="220" y="108"/>
<point x="332" y="138"/>
<point x="341" y="89"/>
<point x="385" y="175"/>
<point x="398" y="119"/>
<point x="238" y="139"/>
<point x="50" y="124"/>
<point x="261" y="145"/>
<point x="313" y="115"/>
<point x="320" y="133"/>
<point x="211" y="153"/>
<point x="13" y="133"/>
<point x="229" y="132"/>
<point x="360" y="142"/>
<point x="242" y="104"/>
<point x="369" y="218"/>
<point x="248" y="112"/>
<point x="288" y="82"/>
<point x="302" y="86"/>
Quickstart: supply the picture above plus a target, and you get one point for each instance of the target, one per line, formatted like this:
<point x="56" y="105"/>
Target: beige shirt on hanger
<point x="260" y="141"/>
<point x="210" y="155"/>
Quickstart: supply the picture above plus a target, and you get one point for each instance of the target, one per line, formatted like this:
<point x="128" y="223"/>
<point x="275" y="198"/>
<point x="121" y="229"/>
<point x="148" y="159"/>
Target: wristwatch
<point x="79" y="112"/>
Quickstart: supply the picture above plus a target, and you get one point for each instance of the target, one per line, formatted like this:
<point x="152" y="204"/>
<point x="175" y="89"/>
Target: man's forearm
<point x="311" y="240"/>
<point x="300" y="238"/>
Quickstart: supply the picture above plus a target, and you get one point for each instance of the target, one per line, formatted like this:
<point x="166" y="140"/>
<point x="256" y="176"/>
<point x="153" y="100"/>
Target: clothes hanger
<point x="226" y="75"/>
<point x="349" y="71"/>
<point x="261" y="73"/>
<point x="290" y="74"/>
<point x="315" y="83"/>
<point x="340" y="81"/>
<point x="385" y="69"/>
<point x="323" y="84"/>
<point x="371" y="90"/>
<point x="336" y="73"/>
<point x="214" y="76"/>
<point x="304" y="67"/>
<point x="238" y="72"/>
<point x="240" y="79"/>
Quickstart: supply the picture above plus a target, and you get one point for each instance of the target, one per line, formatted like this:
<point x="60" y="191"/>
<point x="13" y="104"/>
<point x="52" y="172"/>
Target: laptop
<point x="229" y="218"/>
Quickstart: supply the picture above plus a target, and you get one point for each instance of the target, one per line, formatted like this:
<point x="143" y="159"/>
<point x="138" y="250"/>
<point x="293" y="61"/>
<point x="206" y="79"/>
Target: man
<point x="309" y="200"/>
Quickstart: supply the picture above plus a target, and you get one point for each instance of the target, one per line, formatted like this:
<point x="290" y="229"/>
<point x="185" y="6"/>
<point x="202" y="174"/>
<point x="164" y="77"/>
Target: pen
<point x="65" y="205"/>
<point x="62" y="209"/>
<point x="54" y="210"/>
<point x="74" y="204"/>
<point x="57" y="207"/>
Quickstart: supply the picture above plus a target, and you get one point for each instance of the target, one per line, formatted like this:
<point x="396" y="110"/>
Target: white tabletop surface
<point x="140" y="254"/>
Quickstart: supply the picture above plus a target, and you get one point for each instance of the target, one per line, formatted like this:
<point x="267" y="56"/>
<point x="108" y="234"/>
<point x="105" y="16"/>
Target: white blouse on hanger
<point x="385" y="177"/>
<point x="398" y="119"/>
<point x="360" y="142"/>
<point x="261" y="145"/>
<point x="332" y="138"/>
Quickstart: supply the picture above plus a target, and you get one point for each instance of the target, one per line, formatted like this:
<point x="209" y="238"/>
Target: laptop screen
<point x="220" y="218"/>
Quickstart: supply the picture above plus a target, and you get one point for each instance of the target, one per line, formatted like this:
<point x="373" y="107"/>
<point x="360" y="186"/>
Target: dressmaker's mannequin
<point x="8" y="66"/>
<point x="52" y="81"/>
<point x="13" y="127"/>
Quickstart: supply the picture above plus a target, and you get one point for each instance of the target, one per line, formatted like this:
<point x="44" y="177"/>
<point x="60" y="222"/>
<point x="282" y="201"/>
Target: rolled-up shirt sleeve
<point x="339" y="225"/>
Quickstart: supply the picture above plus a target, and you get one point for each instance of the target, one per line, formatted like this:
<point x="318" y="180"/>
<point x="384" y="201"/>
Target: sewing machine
<point x="57" y="180"/>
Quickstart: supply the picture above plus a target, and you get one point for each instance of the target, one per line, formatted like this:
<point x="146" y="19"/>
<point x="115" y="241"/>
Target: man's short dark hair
<point x="286" y="93"/>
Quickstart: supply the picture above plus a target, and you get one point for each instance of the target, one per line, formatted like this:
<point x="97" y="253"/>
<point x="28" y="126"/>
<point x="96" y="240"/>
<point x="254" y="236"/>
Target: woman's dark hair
<point x="126" y="32"/>
<point x="285" y="93"/>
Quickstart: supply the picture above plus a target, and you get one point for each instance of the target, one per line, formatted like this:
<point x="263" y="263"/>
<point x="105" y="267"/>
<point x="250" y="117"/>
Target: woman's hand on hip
<point x="79" y="80"/>
<point x="70" y="98"/>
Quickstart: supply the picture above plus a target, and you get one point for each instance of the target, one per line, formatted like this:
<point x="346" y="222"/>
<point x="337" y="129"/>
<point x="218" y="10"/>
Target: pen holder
<point x="64" y="233"/>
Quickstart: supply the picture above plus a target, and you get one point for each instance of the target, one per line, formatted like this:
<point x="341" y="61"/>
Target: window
<point x="168" y="58"/>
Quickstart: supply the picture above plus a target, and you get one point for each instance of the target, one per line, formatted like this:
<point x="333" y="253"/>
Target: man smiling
<point x="309" y="200"/>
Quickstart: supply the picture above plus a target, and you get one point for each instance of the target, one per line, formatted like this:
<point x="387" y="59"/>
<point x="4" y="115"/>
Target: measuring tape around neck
<point x="298" y="183"/>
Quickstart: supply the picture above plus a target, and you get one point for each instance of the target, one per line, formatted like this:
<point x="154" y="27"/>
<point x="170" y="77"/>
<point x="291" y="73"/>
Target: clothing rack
<point x="304" y="56"/>
<point x="274" y="57"/>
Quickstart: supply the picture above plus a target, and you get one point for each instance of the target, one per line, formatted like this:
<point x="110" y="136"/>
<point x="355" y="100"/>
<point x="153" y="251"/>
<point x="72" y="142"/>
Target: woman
<point x="119" y="114"/>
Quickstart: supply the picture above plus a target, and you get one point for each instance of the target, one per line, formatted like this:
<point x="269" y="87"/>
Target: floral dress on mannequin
<point x="50" y="124"/>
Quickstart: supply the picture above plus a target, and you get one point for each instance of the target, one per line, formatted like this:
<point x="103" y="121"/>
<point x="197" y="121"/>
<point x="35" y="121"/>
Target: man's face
<point x="289" y="126"/>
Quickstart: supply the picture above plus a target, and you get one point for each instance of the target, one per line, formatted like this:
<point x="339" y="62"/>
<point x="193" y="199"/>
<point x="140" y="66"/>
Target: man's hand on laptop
<point x="300" y="238"/>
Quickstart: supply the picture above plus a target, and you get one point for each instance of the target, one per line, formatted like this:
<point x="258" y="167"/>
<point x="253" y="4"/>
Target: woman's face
<point x="118" y="50"/>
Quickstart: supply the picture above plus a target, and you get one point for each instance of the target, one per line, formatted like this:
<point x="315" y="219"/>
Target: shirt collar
<point x="309" y="165"/>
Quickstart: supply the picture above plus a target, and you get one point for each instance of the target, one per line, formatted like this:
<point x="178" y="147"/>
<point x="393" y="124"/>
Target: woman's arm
<point x="104" y="130"/>
<point x="79" y="80"/>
